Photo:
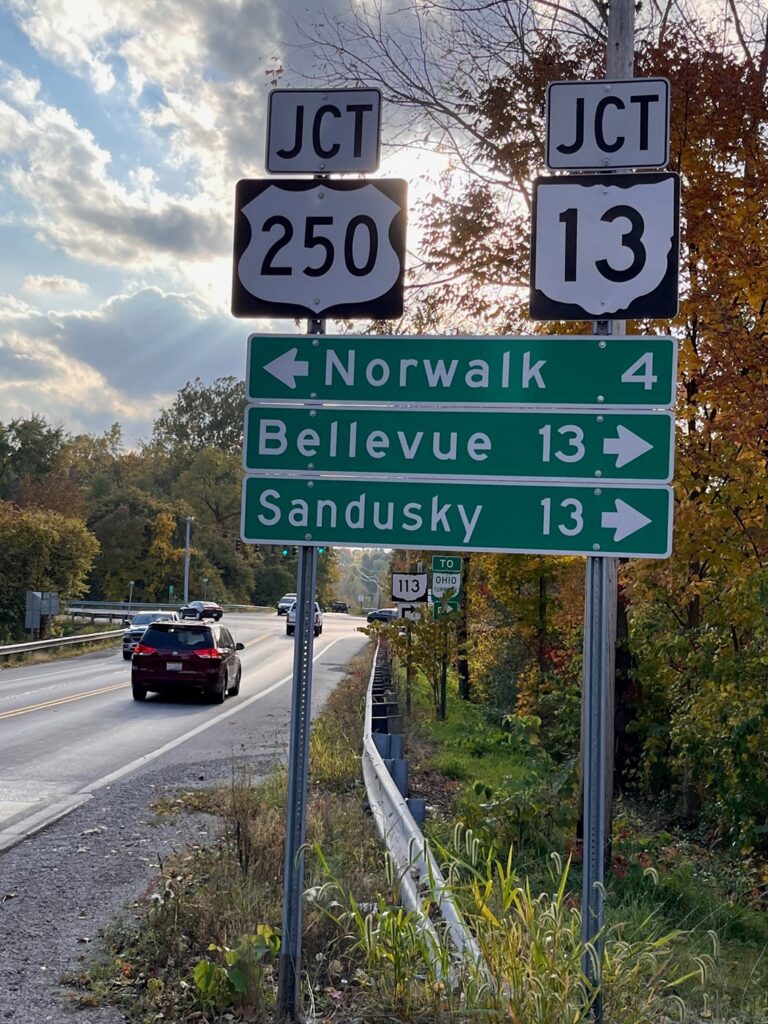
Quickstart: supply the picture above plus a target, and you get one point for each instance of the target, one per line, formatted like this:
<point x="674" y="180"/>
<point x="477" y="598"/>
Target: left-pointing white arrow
<point x="287" y="368"/>
<point x="625" y="520"/>
<point x="626" y="446"/>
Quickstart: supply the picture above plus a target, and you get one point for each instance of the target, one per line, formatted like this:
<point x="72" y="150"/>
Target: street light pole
<point x="190" y="520"/>
<point x="205" y="587"/>
<point x="130" y="594"/>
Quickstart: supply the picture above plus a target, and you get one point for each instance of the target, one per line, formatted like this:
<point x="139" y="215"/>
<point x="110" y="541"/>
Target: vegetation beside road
<point x="202" y="946"/>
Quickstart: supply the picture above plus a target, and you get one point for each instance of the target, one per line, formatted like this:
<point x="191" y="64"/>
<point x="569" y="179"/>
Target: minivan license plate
<point x="173" y="666"/>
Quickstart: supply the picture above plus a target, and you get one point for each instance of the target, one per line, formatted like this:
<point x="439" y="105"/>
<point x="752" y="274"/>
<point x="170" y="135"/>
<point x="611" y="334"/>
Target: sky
<point x="124" y="126"/>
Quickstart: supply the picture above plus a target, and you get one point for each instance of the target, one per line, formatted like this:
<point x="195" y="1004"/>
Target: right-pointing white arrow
<point x="286" y="368"/>
<point x="626" y="447"/>
<point x="625" y="520"/>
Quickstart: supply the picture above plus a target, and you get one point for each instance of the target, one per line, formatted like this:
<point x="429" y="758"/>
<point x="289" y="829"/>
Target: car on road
<point x="339" y="606"/>
<point x="139" y="623"/>
<point x="290" y="622"/>
<point x="382" y="615"/>
<point x="202" y="610"/>
<point x="186" y="657"/>
<point x="285" y="603"/>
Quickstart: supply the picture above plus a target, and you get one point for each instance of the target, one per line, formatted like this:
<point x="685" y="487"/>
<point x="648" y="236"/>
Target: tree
<point x="469" y="81"/>
<point x="203" y="416"/>
<point x="39" y="550"/>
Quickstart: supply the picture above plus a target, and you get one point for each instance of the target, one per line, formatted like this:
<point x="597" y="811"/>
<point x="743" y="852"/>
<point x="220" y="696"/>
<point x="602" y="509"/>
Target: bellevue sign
<point x="468" y="444"/>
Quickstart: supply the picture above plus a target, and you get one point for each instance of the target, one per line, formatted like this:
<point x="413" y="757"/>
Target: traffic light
<point x="286" y="552"/>
<point x="320" y="551"/>
<point x="238" y="544"/>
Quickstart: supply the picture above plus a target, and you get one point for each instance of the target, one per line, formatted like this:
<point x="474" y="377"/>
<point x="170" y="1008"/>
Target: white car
<point x="290" y="622"/>
<point x="285" y="603"/>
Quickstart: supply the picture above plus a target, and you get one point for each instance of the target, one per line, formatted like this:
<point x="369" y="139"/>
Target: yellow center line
<point x="62" y="700"/>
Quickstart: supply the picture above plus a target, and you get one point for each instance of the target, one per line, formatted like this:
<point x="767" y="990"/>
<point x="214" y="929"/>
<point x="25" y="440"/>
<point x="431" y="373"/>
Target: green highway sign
<point x="573" y="370"/>
<point x="535" y="518"/>
<point x="502" y="444"/>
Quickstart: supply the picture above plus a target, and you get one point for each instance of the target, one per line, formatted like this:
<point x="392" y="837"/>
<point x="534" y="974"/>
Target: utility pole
<point x="190" y="520"/>
<point x="601" y="594"/>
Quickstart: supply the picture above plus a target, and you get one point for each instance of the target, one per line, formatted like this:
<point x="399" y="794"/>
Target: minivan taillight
<point x="208" y="652"/>
<point x="143" y="649"/>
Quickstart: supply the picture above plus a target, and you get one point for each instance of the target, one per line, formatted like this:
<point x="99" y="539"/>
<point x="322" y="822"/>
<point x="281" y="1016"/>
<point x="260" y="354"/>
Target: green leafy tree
<point x="40" y="550"/>
<point x="203" y="416"/>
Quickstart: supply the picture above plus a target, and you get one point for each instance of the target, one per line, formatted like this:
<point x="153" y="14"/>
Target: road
<point x="70" y="727"/>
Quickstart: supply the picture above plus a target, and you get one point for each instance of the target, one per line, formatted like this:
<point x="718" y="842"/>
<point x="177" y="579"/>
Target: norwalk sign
<point x="620" y="372"/>
<point x="620" y="521"/>
<point x="469" y="444"/>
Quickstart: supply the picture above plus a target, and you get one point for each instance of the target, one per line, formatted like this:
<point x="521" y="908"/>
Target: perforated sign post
<point x="604" y="248"/>
<point x="314" y="248"/>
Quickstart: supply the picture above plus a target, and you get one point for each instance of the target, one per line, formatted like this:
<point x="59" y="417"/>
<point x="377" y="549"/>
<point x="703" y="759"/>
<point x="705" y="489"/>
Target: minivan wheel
<point x="220" y="693"/>
<point x="139" y="693"/>
<point x="236" y="688"/>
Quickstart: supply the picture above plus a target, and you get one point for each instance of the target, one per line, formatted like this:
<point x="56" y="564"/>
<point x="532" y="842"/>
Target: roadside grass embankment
<point x="504" y="787"/>
<point x="201" y="946"/>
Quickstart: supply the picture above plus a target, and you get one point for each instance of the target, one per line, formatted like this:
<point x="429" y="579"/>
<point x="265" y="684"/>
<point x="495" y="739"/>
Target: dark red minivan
<point x="186" y="657"/>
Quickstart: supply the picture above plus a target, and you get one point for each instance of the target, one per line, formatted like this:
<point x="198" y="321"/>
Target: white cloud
<point x="123" y="361"/>
<point x="54" y="283"/>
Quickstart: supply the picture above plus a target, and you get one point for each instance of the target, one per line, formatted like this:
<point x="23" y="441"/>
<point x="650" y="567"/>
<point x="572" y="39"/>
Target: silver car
<point x="139" y="623"/>
<point x="290" y="622"/>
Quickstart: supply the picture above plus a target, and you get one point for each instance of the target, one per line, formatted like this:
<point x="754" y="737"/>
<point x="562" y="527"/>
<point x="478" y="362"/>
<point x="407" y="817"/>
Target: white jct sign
<point x="608" y="124"/>
<point x="605" y="246"/>
<point x="319" y="248"/>
<point x="322" y="131"/>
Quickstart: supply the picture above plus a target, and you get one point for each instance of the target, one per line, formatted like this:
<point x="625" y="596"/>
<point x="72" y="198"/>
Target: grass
<point x="660" y="880"/>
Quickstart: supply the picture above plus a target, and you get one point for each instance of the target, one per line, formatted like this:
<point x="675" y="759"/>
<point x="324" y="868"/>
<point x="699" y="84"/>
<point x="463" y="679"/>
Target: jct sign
<point x="322" y="131"/>
<point x="605" y="124"/>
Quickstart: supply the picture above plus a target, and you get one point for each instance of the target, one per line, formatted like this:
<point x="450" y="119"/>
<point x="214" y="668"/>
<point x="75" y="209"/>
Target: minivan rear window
<point x="168" y="637"/>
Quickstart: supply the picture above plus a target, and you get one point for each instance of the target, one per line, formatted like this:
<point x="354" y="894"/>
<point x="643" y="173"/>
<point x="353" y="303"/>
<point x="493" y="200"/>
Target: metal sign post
<point x="289" y="978"/>
<point x="601" y="594"/>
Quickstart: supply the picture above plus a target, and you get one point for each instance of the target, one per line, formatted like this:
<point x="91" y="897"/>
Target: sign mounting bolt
<point x="600" y="344"/>
<point x="598" y="472"/>
<point x="595" y="547"/>
<point x="311" y="483"/>
<point x="307" y="536"/>
<point x="601" y="398"/>
<point x="598" y="491"/>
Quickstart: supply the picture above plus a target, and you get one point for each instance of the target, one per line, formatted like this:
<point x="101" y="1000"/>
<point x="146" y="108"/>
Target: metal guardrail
<point x="39" y="645"/>
<point x="417" y="868"/>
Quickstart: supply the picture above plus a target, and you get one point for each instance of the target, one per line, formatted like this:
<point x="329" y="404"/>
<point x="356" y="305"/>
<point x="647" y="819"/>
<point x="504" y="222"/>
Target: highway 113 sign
<point x="319" y="248"/>
<point x="605" y="246"/>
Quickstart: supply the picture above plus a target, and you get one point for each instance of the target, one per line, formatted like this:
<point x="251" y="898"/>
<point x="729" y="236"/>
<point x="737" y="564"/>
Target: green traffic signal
<point x="286" y="552"/>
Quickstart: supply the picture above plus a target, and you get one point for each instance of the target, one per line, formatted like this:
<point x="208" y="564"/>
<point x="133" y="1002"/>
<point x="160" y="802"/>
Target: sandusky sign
<point x="619" y="521"/>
